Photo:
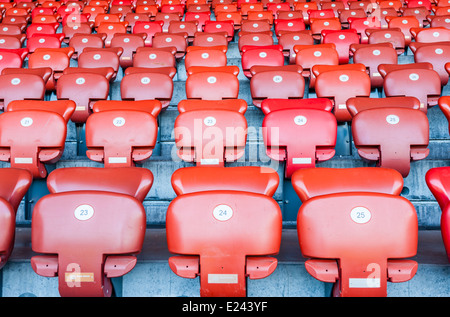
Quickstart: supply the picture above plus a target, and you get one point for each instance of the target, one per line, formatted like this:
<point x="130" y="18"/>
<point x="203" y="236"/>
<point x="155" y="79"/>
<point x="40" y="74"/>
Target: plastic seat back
<point x="391" y="137"/>
<point x="213" y="254"/>
<point x="342" y="39"/>
<point x="120" y="138"/>
<point x="108" y="247"/>
<point x="434" y="54"/>
<point x="210" y="137"/>
<point x="212" y="85"/>
<point x="20" y="87"/>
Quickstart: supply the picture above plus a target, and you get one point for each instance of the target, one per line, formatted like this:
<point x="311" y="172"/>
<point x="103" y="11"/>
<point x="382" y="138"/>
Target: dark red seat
<point x="225" y="256"/>
<point x="437" y="180"/>
<point x="84" y="89"/>
<point x="85" y="265"/>
<point x="280" y="125"/>
<point x="14" y="185"/>
<point x="31" y="138"/>
<point x="120" y="138"/>
<point x="371" y="230"/>
<point x="20" y="87"/>
<point x="392" y="137"/>
<point x="210" y="137"/>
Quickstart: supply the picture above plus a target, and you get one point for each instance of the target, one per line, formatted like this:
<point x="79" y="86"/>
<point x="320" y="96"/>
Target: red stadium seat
<point x="280" y="126"/>
<point x="272" y="82"/>
<point x="199" y="17"/>
<point x="149" y="28"/>
<point x="238" y="105"/>
<point x="120" y="138"/>
<point x="435" y="54"/>
<point x="129" y="43"/>
<point x="189" y="27"/>
<point x="153" y="107"/>
<point x="394" y="36"/>
<point x="210" y="39"/>
<point x="212" y="84"/>
<point x="14" y="185"/>
<point x="404" y="24"/>
<point x="32" y="138"/>
<point x="309" y="55"/>
<point x="437" y="181"/>
<point x="177" y="40"/>
<point x="318" y="25"/>
<point x="430" y="35"/>
<point x="107" y="249"/>
<point x="147" y="86"/>
<point x="84" y="89"/>
<point x="12" y="41"/>
<point x="288" y="25"/>
<point x="362" y="24"/>
<point x="288" y="40"/>
<point x="44" y="41"/>
<point x="255" y="26"/>
<point x="358" y="104"/>
<point x="369" y="236"/>
<point x="261" y="55"/>
<point x="220" y="26"/>
<point x="205" y="56"/>
<point x="20" y="87"/>
<point x="210" y="137"/>
<point x="223" y="268"/>
<point x="65" y="108"/>
<point x="342" y="39"/>
<point x="392" y="137"/>
<point x="340" y="85"/>
<point x="101" y="57"/>
<point x="255" y="39"/>
<point x="444" y="105"/>
<point x="269" y="105"/>
<point x="79" y="41"/>
<point x="111" y="29"/>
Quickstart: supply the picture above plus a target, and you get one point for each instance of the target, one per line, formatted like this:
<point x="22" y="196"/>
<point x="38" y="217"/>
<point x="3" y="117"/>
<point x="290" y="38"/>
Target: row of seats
<point x="224" y="227"/>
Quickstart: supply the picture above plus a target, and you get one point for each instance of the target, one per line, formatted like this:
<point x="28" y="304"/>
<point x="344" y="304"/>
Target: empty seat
<point x="255" y="39"/>
<point x="212" y="84"/>
<point x="84" y="266"/>
<point x="205" y="56"/>
<point x="391" y="35"/>
<point x="316" y="130"/>
<point x="44" y="41"/>
<point x="129" y="43"/>
<point x="271" y="82"/>
<point x="111" y="29"/>
<point x="177" y="40"/>
<point x="340" y="85"/>
<point x="290" y="39"/>
<point x="362" y="24"/>
<point x="358" y="104"/>
<point x="359" y="240"/>
<point x="318" y="25"/>
<point x="120" y="138"/>
<point x="444" y="106"/>
<point x="223" y="264"/>
<point x="64" y="108"/>
<point x="210" y="137"/>
<point x="435" y="54"/>
<point x="84" y="89"/>
<point x="149" y="28"/>
<point x="20" y="87"/>
<point x="309" y="55"/>
<point x="239" y="105"/>
<point x="79" y="41"/>
<point x="391" y="137"/>
<point x="153" y="107"/>
<point x="210" y="39"/>
<point x="430" y="35"/>
<point x="101" y="57"/>
<point x="269" y="105"/>
<point x="288" y="25"/>
<point x="437" y="180"/>
<point x="404" y="24"/>
<point x="31" y="138"/>
<point x="424" y="84"/>
<point x="342" y="40"/>
<point x="147" y="86"/>
<point x="14" y="185"/>
<point x="261" y="55"/>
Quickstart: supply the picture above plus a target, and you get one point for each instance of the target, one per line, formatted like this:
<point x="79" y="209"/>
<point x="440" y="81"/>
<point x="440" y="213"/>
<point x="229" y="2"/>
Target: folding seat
<point x="377" y="230"/>
<point x="43" y="11"/>
<point x="367" y="6"/>
<point x="289" y="14"/>
<point x="210" y="39"/>
<point x="65" y="108"/>
<point x="14" y="185"/>
<point x="288" y="40"/>
<point x="271" y="82"/>
<point x="345" y="15"/>
<point x="199" y="17"/>
<point x="430" y="35"/>
<point x="44" y="41"/>
<point x="319" y="128"/>
<point x="147" y="86"/>
<point x="205" y="56"/>
<point x="392" y="137"/>
<point x="10" y="29"/>
<point x="10" y="58"/>
<point x="220" y="26"/>
<point x="178" y="40"/>
<point x="394" y="36"/>
<point x="255" y="39"/>
<point x="84" y="89"/>
<point x="152" y="107"/>
<point x="12" y="41"/>
<point x="238" y="105"/>
<point x="271" y="55"/>
<point x="134" y="17"/>
<point x="166" y="18"/>
<point x="321" y="14"/>
<point x="222" y="267"/>
<point x="148" y="9"/>
<point x="108" y="249"/>
<point x="394" y="4"/>
<point x="307" y="56"/>
<point x="256" y="26"/>
<point x="32" y="138"/>
<point x="277" y="8"/>
<point x="120" y="138"/>
<point x="72" y="29"/>
<point x="404" y="24"/>
<point x="111" y="29"/>
<point x="101" y="57"/>
<point x="245" y="8"/>
<point x="129" y="43"/>
<point x="213" y="83"/>
<point x="424" y="84"/>
<point x="288" y="25"/>
<point x="335" y="6"/>
<point x="150" y="57"/>
<point x="437" y="181"/>
<point x="437" y="55"/>
<point x="57" y="59"/>
<point x="189" y="27"/>
<point x="45" y="19"/>
<point x="269" y="105"/>
<point x="41" y="28"/>
<point x="121" y="9"/>
<point x="420" y="13"/>
<point x="173" y="9"/>
<point x="340" y="85"/>
<point x="440" y="21"/>
<point x="261" y="16"/>
<point x="198" y="7"/>
<point x="358" y="104"/>
<point x="210" y="136"/>
<point x="94" y="10"/>
<point x="362" y="24"/>
<point x="372" y="55"/>
<point x="342" y="40"/>
<point x="20" y="87"/>
<point x="149" y="28"/>
<point x="318" y="25"/>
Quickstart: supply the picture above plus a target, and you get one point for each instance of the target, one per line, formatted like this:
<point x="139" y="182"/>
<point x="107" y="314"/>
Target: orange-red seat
<point x="309" y="55"/>
<point x="271" y="55"/>
<point x="129" y="43"/>
<point x="148" y="28"/>
<point x="101" y="57"/>
<point x="269" y="105"/>
<point x="342" y="39"/>
<point x="279" y="127"/>
<point x="213" y="83"/>
<point x="391" y="35"/>
<point x="391" y="137"/>
<point x="20" y="87"/>
<point x="353" y="235"/>
<point x="31" y="138"/>
<point x="435" y="54"/>
<point x="238" y="105"/>
<point x="84" y="266"/>
<point x="225" y="256"/>
<point x="210" y="137"/>
<point x="120" y="138"/>
<point x="65" y="108"/>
